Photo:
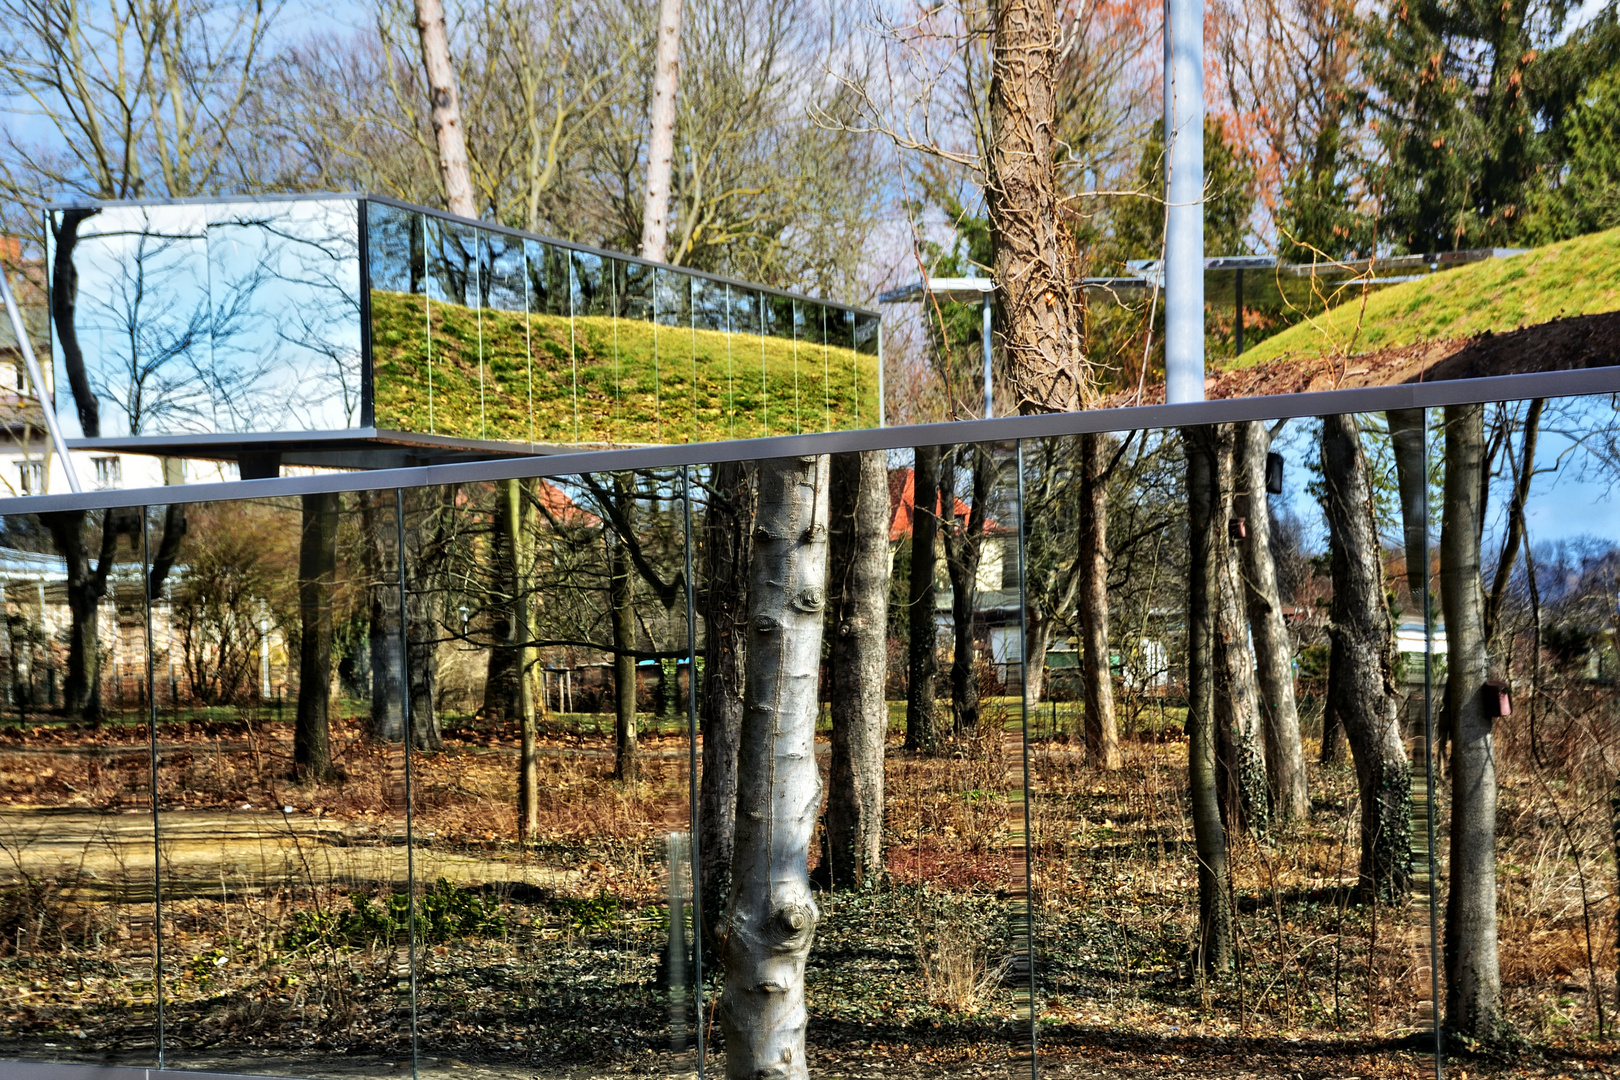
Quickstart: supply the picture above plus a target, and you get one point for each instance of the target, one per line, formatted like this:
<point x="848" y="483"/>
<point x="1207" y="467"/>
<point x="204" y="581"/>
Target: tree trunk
<point x="922" y="658"/>
<point x="424" y="569"/>
<point x="773" y="915"/>
<point x="964" y="546"/>
<point x="858" y="603"/>
<point x="317" y="577"/>
<point x="1037" y="311"/>
<point x="1214" y="880"/>
<point x="1406" y="435"/>
<point x="1038" y="630"/>
<point x="1102" y="731"/>
<point x="445" y="98"/>
<point x="1361" y="680"/>
<point x="501" y="678"/>
<point x="515" y="502"/>
<point x="1273" y="648"/>
<point x="725" y="622"/>
<point x="1240" y="743"/>
<point x="385" y="647"/>
<point x="1515" y="529"/>
<point x="86" y="587"/>
<point x="661" y="132"/>
<point x="64" y="316"/>
<point x="1473" y="976"/>
<point x="621" y="586"/>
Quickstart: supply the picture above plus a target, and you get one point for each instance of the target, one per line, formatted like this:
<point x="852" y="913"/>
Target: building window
<point x="108" y="472"/>
<point x="31" y="477"/>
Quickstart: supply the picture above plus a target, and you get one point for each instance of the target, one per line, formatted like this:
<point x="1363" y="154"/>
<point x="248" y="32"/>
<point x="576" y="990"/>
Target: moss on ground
<point x="1575" y="277"/>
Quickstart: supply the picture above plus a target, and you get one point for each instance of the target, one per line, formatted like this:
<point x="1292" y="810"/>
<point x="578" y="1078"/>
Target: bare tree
<point x="444" y="97"/>
<point x="661" y="131"/>
<point x="923" y="638"/>
<point x="1215" y="928"/>
<point x="728" y="542"/>
<point x="858" y="610"/>
<point x="1102" y="731"/>
<point x="1361" y="668"/>
<point x="773" y="916"/>
<point x="964" y="549"/>
<point x="1473" y="973"/>
<point x="1038" y="313"/>
<point x="1273" y="648"/>
<point x="317" y="575"/>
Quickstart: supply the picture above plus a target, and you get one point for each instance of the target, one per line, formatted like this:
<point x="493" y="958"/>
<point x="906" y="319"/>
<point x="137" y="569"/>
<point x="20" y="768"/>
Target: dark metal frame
<point x="1584" y="382"/>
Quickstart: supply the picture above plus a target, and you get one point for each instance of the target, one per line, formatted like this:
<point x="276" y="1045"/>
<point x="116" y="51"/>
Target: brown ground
<point x="1583" y="341"/>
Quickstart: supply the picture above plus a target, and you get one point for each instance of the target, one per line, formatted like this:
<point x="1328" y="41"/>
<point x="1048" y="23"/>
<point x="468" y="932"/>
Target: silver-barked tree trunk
<point x="1273" y="649"/>
<point x="1473" y="974"/>
<point x="773" y="916"/>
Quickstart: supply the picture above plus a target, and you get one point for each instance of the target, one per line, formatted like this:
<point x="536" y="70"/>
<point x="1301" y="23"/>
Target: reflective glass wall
<point x="444" y="777"/>
<point x="323" y="314"/>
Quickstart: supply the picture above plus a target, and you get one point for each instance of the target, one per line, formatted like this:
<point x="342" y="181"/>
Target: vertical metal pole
<point x="1184" y="200"/>
<point x="1023" y="713"/>
<point x="405" y="711"/>
<point x="1429" y="783"/>
<point x="151" y="727"/>
<point x="1237" y="336"/>
<point x="989" y="401"/>
<point x="37" y="377"/>
<point x="692" y="773"/>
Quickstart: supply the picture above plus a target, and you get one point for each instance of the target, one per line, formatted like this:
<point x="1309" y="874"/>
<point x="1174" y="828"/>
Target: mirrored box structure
<point x="348" y="315"/>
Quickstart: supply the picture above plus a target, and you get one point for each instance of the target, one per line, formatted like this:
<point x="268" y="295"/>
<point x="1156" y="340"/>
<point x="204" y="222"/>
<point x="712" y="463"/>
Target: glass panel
<point x="814" y="367"/>
<point x="455" y="371"/>
<point x="78" y="927"/>
<point x="284" y="279"/>
<point x="551" y="343"/>
<point x="596" y="346"/>
<point x="141" y="318"/>
<point x="400" y="349"/>
<point x="750" y="415"/>
<point x="843" y="377"/>
<point x="548" y="913"/>
<point x="509" y="377"/>
<point x="716" y="385"/>
<point x="641" y="415"/>
<point x="676" y="367"/>
<point x="281" y="784"/>
<point x="781" y="363"/>
<point x="868" y="376"/>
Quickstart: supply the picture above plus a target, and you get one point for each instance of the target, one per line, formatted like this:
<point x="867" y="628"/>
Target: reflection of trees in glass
<point x="248" y="323"/>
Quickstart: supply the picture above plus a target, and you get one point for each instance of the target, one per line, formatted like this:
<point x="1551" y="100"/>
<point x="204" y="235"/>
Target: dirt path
<point x="219" y="854"/>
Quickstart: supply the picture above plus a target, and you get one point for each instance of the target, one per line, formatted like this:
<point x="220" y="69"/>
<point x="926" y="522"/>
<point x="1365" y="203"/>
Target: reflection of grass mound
<point x="598" y="379"/>
<point x="1575" y="277"/>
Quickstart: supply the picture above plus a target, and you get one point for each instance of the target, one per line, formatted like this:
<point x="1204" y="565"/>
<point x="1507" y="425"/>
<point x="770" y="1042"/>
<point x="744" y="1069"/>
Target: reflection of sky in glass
<point x="222" y="318"/>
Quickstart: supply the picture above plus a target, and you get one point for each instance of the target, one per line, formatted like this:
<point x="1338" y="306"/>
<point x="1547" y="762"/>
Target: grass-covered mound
<point x="603" y="380"/>
<point x="1572" y="278"/>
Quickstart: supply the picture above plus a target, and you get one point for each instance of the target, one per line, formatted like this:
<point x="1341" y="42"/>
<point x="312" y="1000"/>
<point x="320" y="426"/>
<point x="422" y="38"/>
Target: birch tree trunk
<point x="858" y="601"/>
<point x="1215" y="931"/>
<point x="923" y="647"/>
<point x="1037" y="314"/>
<point x="661" y="132"/>
<point x="1361" y="679"/>
<point x="725" y="622"/>
<point x="1473" y="974"/>
<point x="773" y="915"/>
<point x="445" y="98"/>
<point x="1245" y="798"/>
<point x="1273" y="648"/>
<point x="1102" y="730"/>
<point x="317" y="576"/>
